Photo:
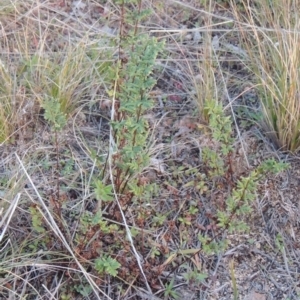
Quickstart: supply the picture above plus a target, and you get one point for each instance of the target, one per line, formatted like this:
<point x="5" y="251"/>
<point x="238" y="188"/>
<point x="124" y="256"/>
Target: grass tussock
<point x="270" y="33"/>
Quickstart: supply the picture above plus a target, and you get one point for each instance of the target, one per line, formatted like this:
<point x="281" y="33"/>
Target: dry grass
<point x="50" y="238"/>
<point x="272" y="42"/>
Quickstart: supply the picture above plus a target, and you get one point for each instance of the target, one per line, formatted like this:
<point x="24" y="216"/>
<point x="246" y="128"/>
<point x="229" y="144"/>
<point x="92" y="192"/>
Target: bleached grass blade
<point x="8" y="215"/>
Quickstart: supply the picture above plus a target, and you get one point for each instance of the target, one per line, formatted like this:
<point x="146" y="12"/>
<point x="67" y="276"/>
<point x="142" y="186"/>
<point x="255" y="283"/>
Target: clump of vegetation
<point x="273" y="53"/>
<point x="218" y="175"/>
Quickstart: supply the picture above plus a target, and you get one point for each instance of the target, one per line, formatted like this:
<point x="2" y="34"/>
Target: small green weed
<point x="37" y="220"/>
<point x="54" y="113"/>
<point x="219" y="165"/>
<point x="194" y="277"/>
<point x="107" y="265"/>
<point x="235" y="192"/>
<point x="169" y="291"/>
<point x="84" y="290"/>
